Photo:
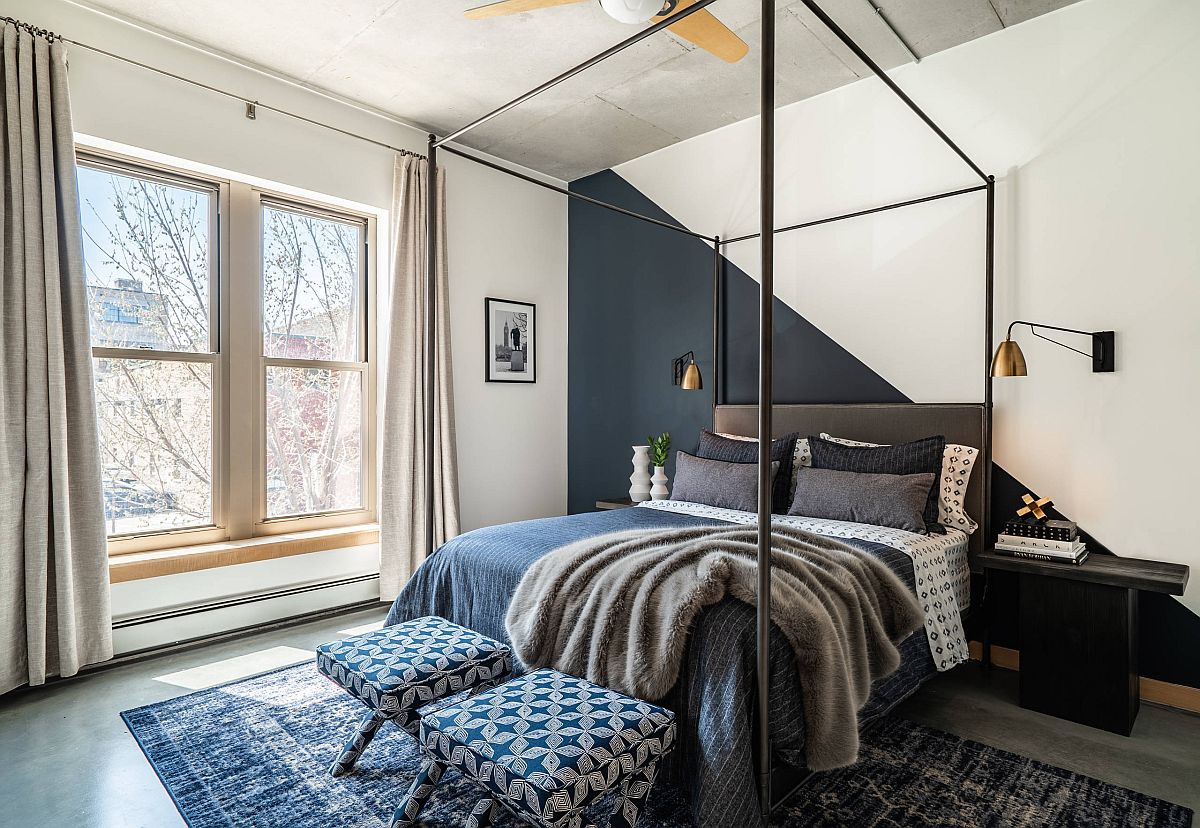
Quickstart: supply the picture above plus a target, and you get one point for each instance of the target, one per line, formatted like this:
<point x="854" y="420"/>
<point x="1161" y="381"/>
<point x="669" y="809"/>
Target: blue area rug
<point x="254" y="754"/>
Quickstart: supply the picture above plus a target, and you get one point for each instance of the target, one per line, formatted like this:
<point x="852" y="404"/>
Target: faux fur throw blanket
<point x="617" y="609"/>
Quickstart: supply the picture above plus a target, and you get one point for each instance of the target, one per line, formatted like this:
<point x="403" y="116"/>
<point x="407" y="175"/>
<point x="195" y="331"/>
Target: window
<point x="232" y="356"/>
<point x="150" y="265"/>
<point x="312" y="277"/>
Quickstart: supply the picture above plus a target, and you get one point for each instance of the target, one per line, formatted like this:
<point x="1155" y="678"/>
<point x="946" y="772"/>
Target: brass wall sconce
<point x="1010" y="362"/>
<point x="685" y="373"/>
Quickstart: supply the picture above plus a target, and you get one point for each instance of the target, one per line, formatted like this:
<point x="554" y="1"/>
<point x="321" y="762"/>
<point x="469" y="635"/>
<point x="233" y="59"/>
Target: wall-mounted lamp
<point x="1010" y="362"/>
<point x="685" y="373"/>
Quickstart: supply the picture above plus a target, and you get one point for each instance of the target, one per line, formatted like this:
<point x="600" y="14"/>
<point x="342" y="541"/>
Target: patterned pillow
<point x="957" y="464"/>
<point x="917" y="457"/>
<point x="717" y="483"/>
<point x="715" y="446"/>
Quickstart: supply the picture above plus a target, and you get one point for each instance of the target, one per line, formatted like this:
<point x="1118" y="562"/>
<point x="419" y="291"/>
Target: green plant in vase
<point x="660" y="448"/>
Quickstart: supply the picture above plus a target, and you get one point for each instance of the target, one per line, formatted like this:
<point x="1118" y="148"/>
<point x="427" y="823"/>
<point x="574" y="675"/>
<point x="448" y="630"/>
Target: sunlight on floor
<point x="231" y="669"/>
<point x="365" y="628"/>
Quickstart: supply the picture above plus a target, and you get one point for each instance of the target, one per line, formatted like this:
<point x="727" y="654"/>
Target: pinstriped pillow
<point x="957" y="464"/>
<point x="801" y="458"/>
<point x="917" y="457"/>
<point x="713" y="446"/>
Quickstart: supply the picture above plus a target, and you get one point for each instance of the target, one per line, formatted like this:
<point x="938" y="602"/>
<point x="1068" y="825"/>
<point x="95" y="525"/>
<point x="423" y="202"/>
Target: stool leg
<point x="482" y="814"/>
<point x="358" y="743"/>
<point x="409" y="809"/>
<point x="634" y="791"/>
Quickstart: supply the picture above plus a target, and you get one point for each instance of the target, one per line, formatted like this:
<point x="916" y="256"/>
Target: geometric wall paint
<point x="640" y="295"/>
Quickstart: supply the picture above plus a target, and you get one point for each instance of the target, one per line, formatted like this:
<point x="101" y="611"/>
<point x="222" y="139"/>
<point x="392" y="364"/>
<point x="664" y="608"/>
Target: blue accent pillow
<point x="918" y="457"/>
<point x="715" y="447"/>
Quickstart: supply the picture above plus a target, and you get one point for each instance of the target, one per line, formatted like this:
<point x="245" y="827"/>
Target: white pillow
<point x="801" y="457"/>
<point x="957" y="464"/>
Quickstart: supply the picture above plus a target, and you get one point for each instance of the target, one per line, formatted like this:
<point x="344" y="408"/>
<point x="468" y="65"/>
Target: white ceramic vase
<point x="658" y="488"/>
<point x="639" y="489"/>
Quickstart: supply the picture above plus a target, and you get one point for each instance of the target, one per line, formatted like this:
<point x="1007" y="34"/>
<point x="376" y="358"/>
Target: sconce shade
<point x="691" y="378"/>
<point x="1009" y="361"/>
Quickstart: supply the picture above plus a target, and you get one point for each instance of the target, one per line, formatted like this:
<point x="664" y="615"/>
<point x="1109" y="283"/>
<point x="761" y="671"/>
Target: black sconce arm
<point x="1103" y="351"/>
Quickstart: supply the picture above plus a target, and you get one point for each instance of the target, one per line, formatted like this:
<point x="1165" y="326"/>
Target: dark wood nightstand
<point x="1079" y="633"/>
<point x="614" y="503"/>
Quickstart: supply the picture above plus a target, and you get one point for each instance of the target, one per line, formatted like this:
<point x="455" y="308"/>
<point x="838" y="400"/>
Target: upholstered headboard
<point x="961" y="423"/>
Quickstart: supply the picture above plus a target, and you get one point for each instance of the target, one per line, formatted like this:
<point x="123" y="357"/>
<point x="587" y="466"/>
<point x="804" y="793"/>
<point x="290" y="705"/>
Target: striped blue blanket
<point x="471" y="579"/>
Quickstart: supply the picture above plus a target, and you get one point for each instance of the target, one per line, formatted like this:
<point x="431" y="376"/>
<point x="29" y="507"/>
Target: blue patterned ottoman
<point x="395" y="670"/>
<point x="547" y="745"/>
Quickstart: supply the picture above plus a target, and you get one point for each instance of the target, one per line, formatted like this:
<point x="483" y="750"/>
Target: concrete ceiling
<point x="429" y="66"/>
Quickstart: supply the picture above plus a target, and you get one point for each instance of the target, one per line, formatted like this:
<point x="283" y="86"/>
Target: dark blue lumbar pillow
<point x="895" y="500"/>
<point x="715" y="447"/>
<point x="717" y="483"/>
<point x="918" y="457"/>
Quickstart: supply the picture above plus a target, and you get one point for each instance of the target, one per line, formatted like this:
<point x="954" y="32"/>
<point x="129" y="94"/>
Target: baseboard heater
<point x="240" y="601"/>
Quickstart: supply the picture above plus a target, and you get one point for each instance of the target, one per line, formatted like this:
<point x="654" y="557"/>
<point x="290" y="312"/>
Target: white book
<point x="1056" y="554"/>
<point x="1040" y="544"/>
<point x="1043" y="556"/>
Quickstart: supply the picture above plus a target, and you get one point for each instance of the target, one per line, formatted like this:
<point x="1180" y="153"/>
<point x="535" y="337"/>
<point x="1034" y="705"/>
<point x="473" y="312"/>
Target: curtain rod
<point x="210" y="88"/>
<point x="32" y="29"/>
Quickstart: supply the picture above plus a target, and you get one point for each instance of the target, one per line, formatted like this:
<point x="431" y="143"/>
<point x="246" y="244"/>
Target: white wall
<point x="1089" y="118"/>
<point x="507" y="238"/>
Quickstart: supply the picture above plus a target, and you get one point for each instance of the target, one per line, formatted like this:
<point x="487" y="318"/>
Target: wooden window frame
<point x="239" y="378"/>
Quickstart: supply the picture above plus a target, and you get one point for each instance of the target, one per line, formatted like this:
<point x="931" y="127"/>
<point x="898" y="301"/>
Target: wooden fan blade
<point x="709" y="33"/>
<point x="513" y="7"/>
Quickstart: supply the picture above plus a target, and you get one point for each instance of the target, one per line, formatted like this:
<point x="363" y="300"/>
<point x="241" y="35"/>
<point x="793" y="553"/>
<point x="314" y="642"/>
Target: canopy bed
<point x="760" y="751"/>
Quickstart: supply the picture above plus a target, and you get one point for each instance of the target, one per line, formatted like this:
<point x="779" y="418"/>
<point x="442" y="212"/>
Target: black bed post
<point x="716" y="328"/>
<point x="766" y="332"/>
<point x="988" y="321"/>
<point x="430" y="332"/>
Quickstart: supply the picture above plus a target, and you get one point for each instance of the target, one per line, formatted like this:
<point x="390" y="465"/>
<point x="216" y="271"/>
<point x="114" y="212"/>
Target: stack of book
<point x="1051" y="540"/>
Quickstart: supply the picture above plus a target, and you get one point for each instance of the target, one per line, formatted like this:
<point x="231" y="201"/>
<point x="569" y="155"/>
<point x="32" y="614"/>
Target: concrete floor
<point x="68" y="760"/>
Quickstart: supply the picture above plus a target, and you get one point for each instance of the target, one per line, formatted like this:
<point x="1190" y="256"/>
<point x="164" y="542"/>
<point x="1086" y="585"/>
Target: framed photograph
<point x="511" y="341"/>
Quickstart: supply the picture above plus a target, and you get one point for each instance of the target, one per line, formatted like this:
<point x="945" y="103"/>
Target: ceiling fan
<point x="701" y="27"/>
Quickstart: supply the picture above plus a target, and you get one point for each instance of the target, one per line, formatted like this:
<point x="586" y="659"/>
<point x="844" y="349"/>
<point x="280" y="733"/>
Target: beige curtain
<point x="402" y="503"/>
<point x="54" y="610"/>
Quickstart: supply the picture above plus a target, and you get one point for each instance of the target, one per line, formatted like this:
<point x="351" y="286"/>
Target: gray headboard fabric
<point x="961" y="423"/>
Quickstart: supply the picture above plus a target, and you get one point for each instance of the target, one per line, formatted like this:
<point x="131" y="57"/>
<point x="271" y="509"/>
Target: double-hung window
<point x="232" y="354"/>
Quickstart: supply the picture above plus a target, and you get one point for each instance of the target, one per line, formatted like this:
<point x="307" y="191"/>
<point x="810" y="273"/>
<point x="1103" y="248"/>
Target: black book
<point x="1059" y="530"/>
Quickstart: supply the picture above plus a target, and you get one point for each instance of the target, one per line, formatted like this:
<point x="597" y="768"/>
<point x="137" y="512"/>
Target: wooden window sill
<point x="136" y="566"/>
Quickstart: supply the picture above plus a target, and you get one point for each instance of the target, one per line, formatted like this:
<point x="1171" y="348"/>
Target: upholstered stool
<point x="395" y="670"/>
<point x="546" y="745"/>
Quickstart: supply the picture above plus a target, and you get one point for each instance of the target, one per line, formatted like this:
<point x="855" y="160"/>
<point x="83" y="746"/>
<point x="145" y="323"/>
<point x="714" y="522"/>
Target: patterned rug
<point x="253" y="754"/>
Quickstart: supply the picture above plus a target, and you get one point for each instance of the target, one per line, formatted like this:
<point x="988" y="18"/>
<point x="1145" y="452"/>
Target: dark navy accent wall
<point x="640" y="295"/>
<point x="810" y="367"/>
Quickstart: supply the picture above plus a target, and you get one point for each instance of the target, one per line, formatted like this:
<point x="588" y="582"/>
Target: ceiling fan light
<point x="632" y="11"/>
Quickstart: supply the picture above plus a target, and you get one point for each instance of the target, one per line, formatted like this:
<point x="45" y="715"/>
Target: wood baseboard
<point x="1152" y="690"/>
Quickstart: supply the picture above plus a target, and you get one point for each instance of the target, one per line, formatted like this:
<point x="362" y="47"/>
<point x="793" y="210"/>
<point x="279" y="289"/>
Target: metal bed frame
<point x="767" y="231"/>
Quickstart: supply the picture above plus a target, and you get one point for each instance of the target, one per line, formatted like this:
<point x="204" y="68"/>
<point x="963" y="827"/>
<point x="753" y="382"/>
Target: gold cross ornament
<point x="1034" y="507"/>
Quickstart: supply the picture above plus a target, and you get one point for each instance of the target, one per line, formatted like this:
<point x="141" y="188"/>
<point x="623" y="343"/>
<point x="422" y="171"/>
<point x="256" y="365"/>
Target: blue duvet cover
<point x="472" y="578"/>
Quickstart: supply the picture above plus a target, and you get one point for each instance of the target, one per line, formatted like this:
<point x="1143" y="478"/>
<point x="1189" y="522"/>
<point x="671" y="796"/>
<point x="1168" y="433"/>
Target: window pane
<point x="146" y="254"/>
<point x="311" y="274"/>
<point x="314" y="440"/>
<point x="155" y="443"/>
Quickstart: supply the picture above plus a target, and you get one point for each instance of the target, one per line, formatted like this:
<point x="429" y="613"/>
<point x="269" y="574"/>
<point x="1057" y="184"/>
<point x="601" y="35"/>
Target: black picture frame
<point x="503" y="336"/>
